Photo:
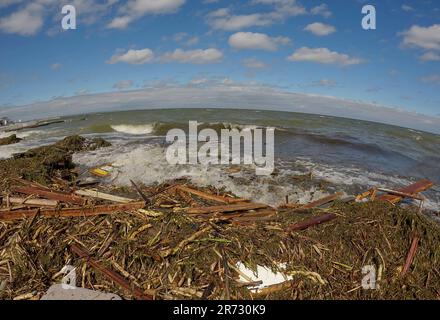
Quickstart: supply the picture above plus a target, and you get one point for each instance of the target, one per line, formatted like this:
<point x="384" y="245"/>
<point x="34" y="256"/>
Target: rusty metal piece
<point x="112" y="275"/>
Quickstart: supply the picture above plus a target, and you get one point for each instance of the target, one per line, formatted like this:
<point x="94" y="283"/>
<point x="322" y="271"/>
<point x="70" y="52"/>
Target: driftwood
<point x="139" y="191"/>
<point x="401" y="194"/>
<point x="52" y="195"/>
<point x="33" y="202"/>
<point x="117" y="278"/>
<point x="411" y="255"/>
<point x="229" y="208"/>
<point x="413" y="189"/>
<point x="208" y="196"/>
<point x="68" y="212"/>
<point x="311" y="222"/>
<point x="103" y="196"/>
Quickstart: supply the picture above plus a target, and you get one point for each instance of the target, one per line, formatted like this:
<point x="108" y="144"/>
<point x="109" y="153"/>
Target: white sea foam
<point x="134" y="129"/>
<point x="147" y="164"/>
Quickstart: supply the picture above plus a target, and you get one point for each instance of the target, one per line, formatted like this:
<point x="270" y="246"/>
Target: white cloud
<point x="407" y="8"/>
<point x="223" y="19"/>
<point x="255" y="41"/>
<point x="56" y="66"/>
<point x="321" y="10"/>
<point x="132" y="57"/>
<point x="432" y="79"/>
<point x="323" y="56"/>
<point x="320" y="29"/>
<point x="325" y="83"/>
<point x="136" y="9"/>
<point x="26" y="21"/>
<point x="423" y="37"/>
<point x="123" y="84"/>
<point x="430" y="56"/>
<point x="198" y="56"/>
<point x="254" y="63"/>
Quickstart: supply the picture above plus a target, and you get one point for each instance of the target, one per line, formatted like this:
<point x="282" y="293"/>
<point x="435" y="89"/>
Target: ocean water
<point x="350" y="155"/>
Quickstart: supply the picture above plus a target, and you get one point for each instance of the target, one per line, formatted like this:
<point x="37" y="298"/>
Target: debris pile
<point x="9" y="140"/>
<point x="179" y="241"/>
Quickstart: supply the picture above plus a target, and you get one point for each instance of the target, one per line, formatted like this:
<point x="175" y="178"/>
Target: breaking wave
<point x="134" y="129"/>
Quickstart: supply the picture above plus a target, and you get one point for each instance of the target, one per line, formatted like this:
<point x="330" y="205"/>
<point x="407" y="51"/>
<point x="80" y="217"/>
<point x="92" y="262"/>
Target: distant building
<point x="5" y="121"/>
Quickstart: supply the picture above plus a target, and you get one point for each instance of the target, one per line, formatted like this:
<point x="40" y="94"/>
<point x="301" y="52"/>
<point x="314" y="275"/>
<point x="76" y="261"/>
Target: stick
<point x="411" y="255"/>
<point x="110" y="274"/>
<point x="230" y="208"/>
<point x="53" y="195"/>
<point x="143" y="196"/>
<point x="317" y="203"/>
<point x="311" y="222"/>
<point x="67" y="212"/>
<point x="34" y="202"/>
<point x="208" y="196"/>
<point x="103" y="196"/>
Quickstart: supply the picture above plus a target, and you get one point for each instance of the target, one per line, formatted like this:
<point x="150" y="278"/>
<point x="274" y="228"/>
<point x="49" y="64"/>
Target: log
<point x="103" y="196"/>
<point x="110" y="274"/>
<point x="229" y="208"/>
<point x="70" y="212"/>
<point x="34" y="202"/>
<point x="411" y="255"/>
<point x="52" y="195"/>
<point x="311" y="222"/>
<point x="412" y="189"/>
<point x="208" y="196"/>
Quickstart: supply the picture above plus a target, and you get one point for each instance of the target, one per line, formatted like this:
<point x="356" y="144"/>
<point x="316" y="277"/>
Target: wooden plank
<point x="69" y="212"/>
<point x="401" y="194"/>
<point x="52" y="195"/>
<point x="228" y="208"/>
<point x="33" y="202"/>
<point x="411" y="255"/>
<point x="208" y="196"/>
<point x="412" y="189"/>
<point x="110" y="274"/>
<point x="311" y="222"/>
<point x="103" y="196"/>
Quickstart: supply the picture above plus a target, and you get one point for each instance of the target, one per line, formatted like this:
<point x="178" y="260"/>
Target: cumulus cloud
<point x="432" y="79"/>
<point x="321" y="10"/>
<point x="26" y="21"/>
<point x="123" y="84"/>
<point x="224" y="19"/>
<point x="422" y="37"/>
<point x="407" y="8"/>
<point x="132" y="57"/>
<point x="198" y="56"/>
<point x="255" y="41"/>
<point x="430" y="56"/>
<point x="136" y="9"/>
<point x="323" y="56"/>
<point x="254" y="63"/>
<point x="320" y="29"/>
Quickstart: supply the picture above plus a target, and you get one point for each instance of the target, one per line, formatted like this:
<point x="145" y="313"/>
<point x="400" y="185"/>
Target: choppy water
<point x="352" y="155"/>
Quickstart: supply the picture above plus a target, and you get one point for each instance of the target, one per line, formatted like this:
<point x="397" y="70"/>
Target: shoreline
<point x="327" y="240"/>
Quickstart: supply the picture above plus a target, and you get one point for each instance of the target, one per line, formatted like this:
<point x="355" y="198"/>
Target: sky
<point x="201" y="53"/>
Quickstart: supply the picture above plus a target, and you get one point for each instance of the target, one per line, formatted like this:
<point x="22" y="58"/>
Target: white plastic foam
<point x="134" y="129"/>
<point x="263" y="274"/>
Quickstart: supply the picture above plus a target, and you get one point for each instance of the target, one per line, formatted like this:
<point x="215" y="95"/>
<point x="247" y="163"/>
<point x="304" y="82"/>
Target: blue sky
<point x="299" y="46"/>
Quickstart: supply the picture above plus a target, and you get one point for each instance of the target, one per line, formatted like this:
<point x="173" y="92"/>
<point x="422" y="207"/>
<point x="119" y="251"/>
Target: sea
<point x="348" y="155"/>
